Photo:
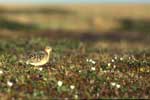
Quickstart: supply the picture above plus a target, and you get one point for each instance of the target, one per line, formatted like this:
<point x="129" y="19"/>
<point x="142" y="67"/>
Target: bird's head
<point x="48" y="49"/>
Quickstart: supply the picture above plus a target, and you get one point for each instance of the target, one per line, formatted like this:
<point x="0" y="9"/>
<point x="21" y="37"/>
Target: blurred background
<point x="110" y="19"/>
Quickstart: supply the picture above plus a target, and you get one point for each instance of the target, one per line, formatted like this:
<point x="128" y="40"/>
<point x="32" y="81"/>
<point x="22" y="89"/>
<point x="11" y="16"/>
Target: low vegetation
<point x="77" y="69"/>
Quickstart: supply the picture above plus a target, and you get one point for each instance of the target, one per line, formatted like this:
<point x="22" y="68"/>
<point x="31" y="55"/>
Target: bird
<point x="39" y="58"/>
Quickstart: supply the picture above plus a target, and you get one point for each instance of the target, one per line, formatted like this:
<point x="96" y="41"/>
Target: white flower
<point x="113" y="83"/>
<point x="1" y="72"/>
<point x="10" y="84"/>
<point x="112" y="60"/>
<point x="80" y="71"/>
<point x="117" y="85"/>
<point x="109" y="64"/>
<point x="91" y="61"/>
<point x="114" y="66"/>
<point x="40" y="69"/>
<point x="105" y="71"/>
<point x="121" y="58"/>
<point x="93" y="68"/>
<point x="76" y="96"/>
<point x="129" y="58"/>
<point x="59" y="83"/>
<point x="116" y="57"/>
<point x="72" y="87"/>
<point x="87" y="60"/>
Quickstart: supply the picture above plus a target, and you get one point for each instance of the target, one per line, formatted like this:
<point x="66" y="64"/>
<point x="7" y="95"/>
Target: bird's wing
<point x="36" y="56"/>
<point x="41" y="55"/>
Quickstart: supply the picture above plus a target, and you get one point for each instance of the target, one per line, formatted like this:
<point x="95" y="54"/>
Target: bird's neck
<point x="48" y="53"/>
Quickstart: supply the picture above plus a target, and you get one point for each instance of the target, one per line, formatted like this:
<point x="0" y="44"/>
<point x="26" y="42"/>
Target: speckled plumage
<point x="39" y="58"/>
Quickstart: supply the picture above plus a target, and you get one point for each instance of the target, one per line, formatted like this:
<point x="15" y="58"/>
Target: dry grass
<point x="98" y="17"/>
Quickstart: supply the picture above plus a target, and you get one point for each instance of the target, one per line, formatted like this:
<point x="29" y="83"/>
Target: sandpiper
<point x="39" y="58"/>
